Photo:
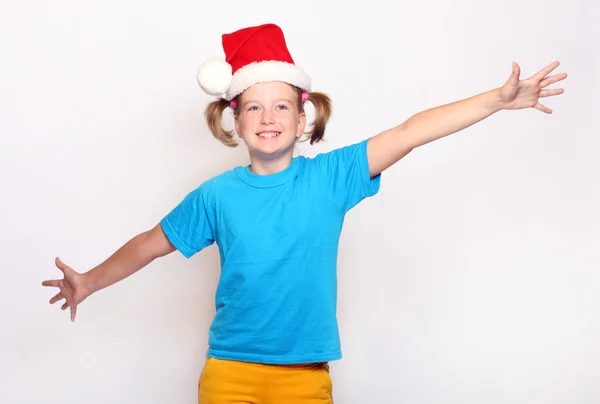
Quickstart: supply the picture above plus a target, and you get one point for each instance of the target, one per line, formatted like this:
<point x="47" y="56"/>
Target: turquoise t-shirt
<point x="278" y="240"/>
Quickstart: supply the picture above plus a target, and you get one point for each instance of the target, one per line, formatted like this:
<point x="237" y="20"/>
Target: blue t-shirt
<point x="278" y="240"/>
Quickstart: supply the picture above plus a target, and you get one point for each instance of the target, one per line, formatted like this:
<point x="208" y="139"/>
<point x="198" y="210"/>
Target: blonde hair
<point x="321" y="103"/>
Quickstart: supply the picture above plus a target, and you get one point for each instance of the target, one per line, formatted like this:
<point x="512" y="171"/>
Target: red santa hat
<point x="252" y="55"/>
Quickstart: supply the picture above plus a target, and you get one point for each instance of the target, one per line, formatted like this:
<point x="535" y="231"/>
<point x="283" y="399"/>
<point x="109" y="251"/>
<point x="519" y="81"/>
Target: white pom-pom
<point x="214" y="76"/>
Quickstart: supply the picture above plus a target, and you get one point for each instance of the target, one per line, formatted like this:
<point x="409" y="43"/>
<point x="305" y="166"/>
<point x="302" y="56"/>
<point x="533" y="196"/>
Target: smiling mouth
<point x="268" y="135"/>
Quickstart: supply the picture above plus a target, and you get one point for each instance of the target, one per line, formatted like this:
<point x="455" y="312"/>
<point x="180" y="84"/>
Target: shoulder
<point x="343" y="151"/>
<point x="210" y="189"/>
<point x="221" y="180"/>
<point x="348" y="154"/>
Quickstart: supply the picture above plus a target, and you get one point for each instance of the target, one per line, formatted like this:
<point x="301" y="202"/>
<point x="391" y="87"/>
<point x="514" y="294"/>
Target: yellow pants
<point x="225" y="382"/>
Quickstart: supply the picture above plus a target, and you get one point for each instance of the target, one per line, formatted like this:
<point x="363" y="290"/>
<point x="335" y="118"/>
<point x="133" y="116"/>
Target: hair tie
<point x="233" y="104"/>
<point x="304" y="96"/>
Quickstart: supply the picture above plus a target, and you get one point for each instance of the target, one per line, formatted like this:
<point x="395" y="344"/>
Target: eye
<point x="253" y="108"/>
<point x="282" y="106"/>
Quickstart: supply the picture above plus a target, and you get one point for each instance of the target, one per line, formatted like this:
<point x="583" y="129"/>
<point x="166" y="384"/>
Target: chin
<point x="273" y="148"/>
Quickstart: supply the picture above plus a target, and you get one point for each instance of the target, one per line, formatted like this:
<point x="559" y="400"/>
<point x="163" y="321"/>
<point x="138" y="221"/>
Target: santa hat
<point x="252" y="55"/>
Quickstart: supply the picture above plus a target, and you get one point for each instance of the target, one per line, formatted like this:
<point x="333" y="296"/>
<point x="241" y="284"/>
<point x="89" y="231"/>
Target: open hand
<point x="72" y="288"/>
<point x="519" y="94"/>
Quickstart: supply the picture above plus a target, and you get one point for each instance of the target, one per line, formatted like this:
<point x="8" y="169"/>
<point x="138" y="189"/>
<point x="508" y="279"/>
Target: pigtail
<point x="322" y="105"/>
<point x="214" y="119"/>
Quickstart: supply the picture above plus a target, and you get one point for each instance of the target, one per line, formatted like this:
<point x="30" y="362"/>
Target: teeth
<point x="268" y="134"/>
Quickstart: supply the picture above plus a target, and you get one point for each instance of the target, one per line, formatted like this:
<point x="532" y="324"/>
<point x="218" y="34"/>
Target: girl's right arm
<point x="131" y="257"/>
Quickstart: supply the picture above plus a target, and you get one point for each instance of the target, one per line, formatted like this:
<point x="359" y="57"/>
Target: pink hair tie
<point x="304" y="96"/>
<point x="233" y="104"/>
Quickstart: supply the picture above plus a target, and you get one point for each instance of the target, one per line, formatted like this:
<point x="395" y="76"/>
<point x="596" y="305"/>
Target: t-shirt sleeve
<point x="347" y="177"/>
<point x="188" y="226"/>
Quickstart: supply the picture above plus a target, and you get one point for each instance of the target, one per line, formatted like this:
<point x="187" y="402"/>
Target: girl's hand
<point x="519" y="94"/>
<point x="72" y="288"/>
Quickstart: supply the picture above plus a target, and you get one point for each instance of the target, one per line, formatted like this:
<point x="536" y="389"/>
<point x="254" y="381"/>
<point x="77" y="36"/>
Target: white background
<point x="472" y="277"/>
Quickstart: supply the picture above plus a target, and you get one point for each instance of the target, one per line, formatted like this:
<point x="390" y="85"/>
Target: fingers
<point x="552" y="79"/>
<point x="542" y="108"/>
<point x="550" y="93"/>
<point x="516" y="72"/>
<point x="57" y="297"/>
<point x="73" y="310"/>
<point x="53" y="282"/>
<point x="59" y="283"/>
<point x="546" y="70"/>
<point x="60" y="265"/>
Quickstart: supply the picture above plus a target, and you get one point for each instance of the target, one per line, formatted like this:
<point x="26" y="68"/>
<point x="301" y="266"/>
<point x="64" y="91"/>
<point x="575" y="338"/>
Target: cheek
<point x="246" y="123"/>
<point x="291" y="122"/>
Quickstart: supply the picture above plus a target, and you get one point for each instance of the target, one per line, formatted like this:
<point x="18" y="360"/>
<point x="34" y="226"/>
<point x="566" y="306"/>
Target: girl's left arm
<point x="387" y="148"/>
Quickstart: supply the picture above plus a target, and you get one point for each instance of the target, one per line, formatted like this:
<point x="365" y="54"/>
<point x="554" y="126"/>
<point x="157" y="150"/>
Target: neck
<point x="262" y="166"/>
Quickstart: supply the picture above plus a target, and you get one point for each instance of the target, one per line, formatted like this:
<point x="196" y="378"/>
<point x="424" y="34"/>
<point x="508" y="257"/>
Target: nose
<point x="267" y="117"/>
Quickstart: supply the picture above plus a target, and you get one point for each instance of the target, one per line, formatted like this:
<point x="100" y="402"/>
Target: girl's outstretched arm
<point x="387" y="148"/>
<point x="138" y="252"/>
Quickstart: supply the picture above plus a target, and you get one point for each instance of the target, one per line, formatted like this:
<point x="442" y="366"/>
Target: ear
<point x="236" y="121"/>
<point x="301" y="124"/>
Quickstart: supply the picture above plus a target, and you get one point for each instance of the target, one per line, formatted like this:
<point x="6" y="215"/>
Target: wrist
<point x="494" y="100"/>
<point x="88" y="282"/>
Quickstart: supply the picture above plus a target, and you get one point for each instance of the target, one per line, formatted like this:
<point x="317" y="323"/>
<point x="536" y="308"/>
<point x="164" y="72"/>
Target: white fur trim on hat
<point x="214" y="76"/>
<point x="265" y="71"/>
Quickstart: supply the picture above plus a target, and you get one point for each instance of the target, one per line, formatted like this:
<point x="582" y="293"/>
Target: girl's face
<point x="269" y="121"/>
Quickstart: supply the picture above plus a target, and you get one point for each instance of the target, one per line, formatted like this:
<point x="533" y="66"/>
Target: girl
<point x="278" y="220"/>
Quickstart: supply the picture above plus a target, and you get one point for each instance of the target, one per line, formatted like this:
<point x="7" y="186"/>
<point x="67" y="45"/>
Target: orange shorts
<point x="226" y="381"/>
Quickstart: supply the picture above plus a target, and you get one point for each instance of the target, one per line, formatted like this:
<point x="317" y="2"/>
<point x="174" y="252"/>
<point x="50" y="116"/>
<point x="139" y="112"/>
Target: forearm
<point x="127" y="260"/>
<point x="438" y="122"/>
